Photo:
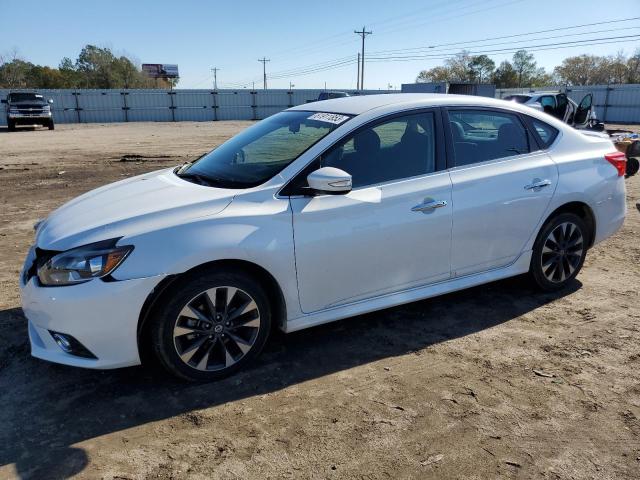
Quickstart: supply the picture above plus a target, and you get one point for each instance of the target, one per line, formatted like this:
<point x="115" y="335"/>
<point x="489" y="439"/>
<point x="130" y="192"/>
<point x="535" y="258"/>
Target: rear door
<point x="502" y="184"/>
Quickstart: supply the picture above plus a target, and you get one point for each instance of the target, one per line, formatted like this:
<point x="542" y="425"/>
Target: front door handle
<point x="537" y="184"/>
<point x="431" y="205"/>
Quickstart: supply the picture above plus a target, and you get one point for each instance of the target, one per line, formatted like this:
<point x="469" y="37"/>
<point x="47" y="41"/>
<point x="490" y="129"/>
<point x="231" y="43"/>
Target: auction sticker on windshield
<point x="329" y="117"/>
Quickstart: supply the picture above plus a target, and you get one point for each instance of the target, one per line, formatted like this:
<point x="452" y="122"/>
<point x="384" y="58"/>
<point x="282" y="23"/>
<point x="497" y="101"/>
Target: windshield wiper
<point x="200" y="179"/>
<point x="208" y="181"/>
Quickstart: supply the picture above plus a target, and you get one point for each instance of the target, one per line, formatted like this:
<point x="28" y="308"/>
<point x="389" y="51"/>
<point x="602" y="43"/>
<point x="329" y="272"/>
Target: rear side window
<point x="481" y="135"/>
<point x="545" y="132"/>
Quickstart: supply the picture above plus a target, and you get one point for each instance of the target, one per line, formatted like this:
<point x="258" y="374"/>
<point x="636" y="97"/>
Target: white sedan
<point x="558" y="105"/>
<point x="324" y="211"/>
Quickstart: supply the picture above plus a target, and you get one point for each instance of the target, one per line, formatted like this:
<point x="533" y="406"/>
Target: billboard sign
<point x="160" y="70"/>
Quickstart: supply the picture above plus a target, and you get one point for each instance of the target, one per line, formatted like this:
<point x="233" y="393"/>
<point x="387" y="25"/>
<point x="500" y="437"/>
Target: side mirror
<point x="50" y="100"/>
<point x="330" y="180"/>
<point x="4" y="100"/>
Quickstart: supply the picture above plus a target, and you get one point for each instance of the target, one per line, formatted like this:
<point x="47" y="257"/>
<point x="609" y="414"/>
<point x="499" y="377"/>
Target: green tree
<point x="505" y="76"/>
<point x="436" y="74"/>
<point x="578" y="70"/>
<point x="481" y="67"/>
<point x="525" y="66"/>
<point x="633" y="68"/>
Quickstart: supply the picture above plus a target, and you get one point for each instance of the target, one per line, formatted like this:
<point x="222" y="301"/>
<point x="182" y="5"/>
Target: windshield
<point x="258" y="153"/>
<point x="22" y="97"/>
<point x="518" y="98"/>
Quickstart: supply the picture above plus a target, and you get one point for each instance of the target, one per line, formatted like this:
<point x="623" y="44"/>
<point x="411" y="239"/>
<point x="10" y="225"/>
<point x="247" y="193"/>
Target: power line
<point x="379" y="56"/>
<point x="573" y="27"/>
<point x="331" y="40"/>
<point x="362" y="34"/>
<point x="553" y="46"/>
<point x="315" y="70"/>
<point x="407" y="25"/>
<point x="455" y="51"/>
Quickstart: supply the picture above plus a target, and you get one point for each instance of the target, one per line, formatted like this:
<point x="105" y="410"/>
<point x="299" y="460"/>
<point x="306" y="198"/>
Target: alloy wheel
<point x="216" y="328"/>
<point x="562" y="252"/>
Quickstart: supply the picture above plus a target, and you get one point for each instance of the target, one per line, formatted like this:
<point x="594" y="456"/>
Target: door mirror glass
<point x="330" y="180"/>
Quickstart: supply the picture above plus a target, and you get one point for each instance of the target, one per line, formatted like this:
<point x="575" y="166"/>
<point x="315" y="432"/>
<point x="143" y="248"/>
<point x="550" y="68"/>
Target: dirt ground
<point x="495" y="382"/>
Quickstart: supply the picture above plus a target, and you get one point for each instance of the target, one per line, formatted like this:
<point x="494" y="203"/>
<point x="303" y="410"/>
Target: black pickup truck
<point x="28" y="108"/>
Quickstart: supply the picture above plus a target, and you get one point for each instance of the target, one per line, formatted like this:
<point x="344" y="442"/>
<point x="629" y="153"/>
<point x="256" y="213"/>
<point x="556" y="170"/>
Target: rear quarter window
<point x="545" y="133"/>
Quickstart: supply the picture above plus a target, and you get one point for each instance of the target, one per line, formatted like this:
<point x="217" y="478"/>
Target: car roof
<point x="545" y="92"/>
<point x="363" y="103"/>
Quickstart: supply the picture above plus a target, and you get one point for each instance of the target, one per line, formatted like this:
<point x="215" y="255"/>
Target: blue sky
<point x="297" y="36"/>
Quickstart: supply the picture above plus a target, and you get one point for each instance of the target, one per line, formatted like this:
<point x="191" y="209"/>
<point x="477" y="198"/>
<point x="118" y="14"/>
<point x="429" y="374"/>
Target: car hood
<point x="136" y="205"/>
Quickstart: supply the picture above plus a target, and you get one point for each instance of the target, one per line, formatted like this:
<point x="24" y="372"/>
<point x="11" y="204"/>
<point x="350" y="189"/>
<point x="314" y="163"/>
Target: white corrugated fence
<point x="613" y="103"/>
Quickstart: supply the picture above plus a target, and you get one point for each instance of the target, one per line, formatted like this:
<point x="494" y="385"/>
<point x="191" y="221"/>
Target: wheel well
<point x="273" y="290"/>
<point x="583" y="211"/>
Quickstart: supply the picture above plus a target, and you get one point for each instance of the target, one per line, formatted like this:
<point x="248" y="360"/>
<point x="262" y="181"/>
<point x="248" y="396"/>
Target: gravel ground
<point x="498" y="381"/>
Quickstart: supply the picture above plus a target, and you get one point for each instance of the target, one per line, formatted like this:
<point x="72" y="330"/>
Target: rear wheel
<point x="211" y="326"/>
<point x="559" y="251"/>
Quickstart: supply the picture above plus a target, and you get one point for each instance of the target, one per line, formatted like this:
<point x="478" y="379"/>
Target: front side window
<point x="481" y="135"/>
<point x="258" y="153"/>
<point x="401" y="147"/>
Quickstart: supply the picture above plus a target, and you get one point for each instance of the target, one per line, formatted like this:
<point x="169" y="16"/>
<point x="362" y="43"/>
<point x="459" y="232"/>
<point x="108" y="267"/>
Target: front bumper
<point x="102" y="316"/>
<point x="30" y="116"/>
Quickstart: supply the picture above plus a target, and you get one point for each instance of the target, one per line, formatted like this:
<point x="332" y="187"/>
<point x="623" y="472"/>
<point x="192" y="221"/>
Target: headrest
<point x="366" y="141"/>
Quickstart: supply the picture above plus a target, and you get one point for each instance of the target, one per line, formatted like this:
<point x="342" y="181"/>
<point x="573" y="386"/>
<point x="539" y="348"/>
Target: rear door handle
<point x="432" y="205"/>
<point x="537" y="184"/>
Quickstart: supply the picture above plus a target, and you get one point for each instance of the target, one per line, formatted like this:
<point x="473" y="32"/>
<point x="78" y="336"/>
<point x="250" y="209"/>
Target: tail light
<point x="618" y="160"/>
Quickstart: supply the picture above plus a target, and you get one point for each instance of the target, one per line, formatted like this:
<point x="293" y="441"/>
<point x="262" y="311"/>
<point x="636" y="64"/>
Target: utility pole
<point x="264" y="61"/>
<point x="363" y="34"/>
<point x="291" y="85"/>
<point x="215" y="77"/>
<point x="358" y="81"/>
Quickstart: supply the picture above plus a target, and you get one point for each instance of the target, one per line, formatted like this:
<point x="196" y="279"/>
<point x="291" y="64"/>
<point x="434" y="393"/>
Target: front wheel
<point x="559" y="252"/>
<point x="11" y="126"/>
<point x="51" y="125"/>
<point x="211" y="326"/>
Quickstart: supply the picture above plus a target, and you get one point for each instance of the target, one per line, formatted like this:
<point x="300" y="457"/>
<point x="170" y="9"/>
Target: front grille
<point x="30" y="110"/>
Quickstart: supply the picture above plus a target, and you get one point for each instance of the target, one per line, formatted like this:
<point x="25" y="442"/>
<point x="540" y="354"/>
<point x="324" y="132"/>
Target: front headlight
<point x="82" y="264"/>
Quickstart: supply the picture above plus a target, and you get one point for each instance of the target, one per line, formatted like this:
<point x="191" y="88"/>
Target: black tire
<point x="51" y="125"/>
<point x="11" y="126"/>
<point x="167" y="316"/>
<point x="554" y="270"/>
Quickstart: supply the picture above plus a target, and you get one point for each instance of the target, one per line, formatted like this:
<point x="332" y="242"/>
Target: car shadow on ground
<point x="20" y="129"/>
<point x="47" y="408"/>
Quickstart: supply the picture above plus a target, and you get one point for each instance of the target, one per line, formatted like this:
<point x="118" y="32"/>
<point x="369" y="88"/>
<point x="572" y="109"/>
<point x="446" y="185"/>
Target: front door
<point x="501" y="188"/>
<point x="583" y="112"/>
<point x="392" y="231"/>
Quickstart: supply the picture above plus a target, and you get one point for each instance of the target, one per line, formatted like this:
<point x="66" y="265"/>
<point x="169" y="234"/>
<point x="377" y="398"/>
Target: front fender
<point x="257" y="232"/>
